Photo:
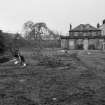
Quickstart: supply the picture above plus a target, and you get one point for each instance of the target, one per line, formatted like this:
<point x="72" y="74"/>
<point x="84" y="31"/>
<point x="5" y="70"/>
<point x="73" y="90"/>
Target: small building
<point x="84" y="37"/>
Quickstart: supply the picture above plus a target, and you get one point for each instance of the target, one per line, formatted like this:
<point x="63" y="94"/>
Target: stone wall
<point x="87" y="44"/>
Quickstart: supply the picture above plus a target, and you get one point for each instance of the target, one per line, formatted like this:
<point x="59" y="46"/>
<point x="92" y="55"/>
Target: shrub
<point x="91" y="47"/>
<point x="79" y="47"/>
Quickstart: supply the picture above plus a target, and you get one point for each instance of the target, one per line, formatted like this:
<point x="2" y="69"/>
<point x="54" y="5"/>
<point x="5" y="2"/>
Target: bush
<point x="91" y="47"/>
<point x="79" y="47"/>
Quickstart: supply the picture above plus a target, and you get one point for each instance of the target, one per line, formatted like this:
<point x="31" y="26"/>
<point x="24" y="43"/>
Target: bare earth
<point x="78" y="80"/>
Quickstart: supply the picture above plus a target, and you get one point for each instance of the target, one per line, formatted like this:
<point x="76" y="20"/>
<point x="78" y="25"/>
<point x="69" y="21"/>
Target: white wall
<point x="71" y="44"/>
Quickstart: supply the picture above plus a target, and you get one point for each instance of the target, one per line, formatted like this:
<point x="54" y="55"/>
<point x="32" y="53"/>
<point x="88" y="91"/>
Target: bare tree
<point x="28" y="29"/>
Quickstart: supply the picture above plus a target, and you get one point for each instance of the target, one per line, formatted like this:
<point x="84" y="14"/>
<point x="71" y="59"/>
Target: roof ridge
<point x="84" y="27"/>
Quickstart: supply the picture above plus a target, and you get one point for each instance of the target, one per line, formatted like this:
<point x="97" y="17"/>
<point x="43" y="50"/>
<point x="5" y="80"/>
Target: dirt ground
<point x="78" y="80"/>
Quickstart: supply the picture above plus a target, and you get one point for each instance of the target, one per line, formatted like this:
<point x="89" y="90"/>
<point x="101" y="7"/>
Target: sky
<point x="57" y="14"/>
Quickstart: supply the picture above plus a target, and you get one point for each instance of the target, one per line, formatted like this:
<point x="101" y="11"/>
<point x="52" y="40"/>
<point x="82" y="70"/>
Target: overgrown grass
<point x="53" y="85"/>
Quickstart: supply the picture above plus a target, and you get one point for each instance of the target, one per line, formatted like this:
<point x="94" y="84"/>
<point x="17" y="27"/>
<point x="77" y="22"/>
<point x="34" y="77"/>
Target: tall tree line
<point x="2" y="43"/>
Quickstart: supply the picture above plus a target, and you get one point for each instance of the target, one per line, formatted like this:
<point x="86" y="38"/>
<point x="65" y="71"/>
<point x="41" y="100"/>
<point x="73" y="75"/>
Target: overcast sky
<point x="57" y="14"/>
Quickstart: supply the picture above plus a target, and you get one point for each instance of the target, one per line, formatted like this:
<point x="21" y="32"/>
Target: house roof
<point x="85" y="27"/>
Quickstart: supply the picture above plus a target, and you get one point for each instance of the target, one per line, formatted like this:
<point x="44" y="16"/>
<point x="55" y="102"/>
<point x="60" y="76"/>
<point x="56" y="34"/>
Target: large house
<point x="102" y="27"/>
<point x="84" y="36"/>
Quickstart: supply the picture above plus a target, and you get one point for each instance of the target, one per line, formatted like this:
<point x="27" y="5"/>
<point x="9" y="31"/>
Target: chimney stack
<point x="98" y="25"/>
<point x="70" y="27"/>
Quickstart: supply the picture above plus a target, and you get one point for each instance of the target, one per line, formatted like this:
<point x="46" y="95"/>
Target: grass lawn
<point x="78" y="80"/>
